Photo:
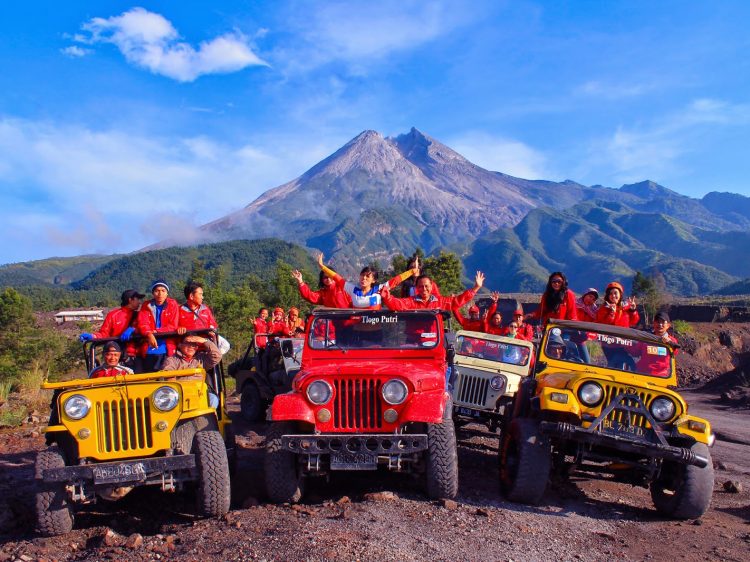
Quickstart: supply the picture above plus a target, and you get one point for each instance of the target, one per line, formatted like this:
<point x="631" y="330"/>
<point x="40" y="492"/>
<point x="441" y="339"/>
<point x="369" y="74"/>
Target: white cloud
<point x="656" y="149"/>
<point x="599" y="89"/>
<point x="500" y="154"/>
<point x="75" y="51"/>
<point x="150" y="41"/>
<point x="76" y="190"/>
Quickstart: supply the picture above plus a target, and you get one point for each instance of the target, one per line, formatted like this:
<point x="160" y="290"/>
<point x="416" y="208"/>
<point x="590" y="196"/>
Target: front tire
<point x="284" y="482"/>
<point x="214" y="490"/>
<point x="54" y="515"/>
<point x="252" y="406"/>
<point x="441" y="470"/>
<point x="684" y="491"/>
<point x="525" y="462"/>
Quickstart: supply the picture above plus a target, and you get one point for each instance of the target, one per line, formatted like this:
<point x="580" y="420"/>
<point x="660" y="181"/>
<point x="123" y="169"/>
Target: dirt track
<point x="587" y="520"/>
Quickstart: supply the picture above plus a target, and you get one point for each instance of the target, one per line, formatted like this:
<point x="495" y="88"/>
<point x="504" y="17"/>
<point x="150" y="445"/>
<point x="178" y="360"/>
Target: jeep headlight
<point x="662" y="408"/>
<point x="76" y="407"/>
<point x="497" y="383"/>
<point x="590" y="393"/>
<point x="394" y="392"/>
<point x="165" y="398"/>
<point x="319" y="392"/>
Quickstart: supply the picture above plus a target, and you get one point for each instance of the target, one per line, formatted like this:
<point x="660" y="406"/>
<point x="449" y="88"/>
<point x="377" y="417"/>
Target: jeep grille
<point x="123" y="425"/>
<point x="472" y="390"/>
<point x="358" y="404"/>
<point x="611" y="391"/>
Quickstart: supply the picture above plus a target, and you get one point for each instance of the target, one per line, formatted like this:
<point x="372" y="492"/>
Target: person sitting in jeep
<point x="556" y="348"/>
<point x="187" y="355"/>
<point x="111" y="367"/>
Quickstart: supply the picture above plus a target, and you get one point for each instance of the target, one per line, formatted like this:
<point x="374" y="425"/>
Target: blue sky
<point x="122" y="123"/>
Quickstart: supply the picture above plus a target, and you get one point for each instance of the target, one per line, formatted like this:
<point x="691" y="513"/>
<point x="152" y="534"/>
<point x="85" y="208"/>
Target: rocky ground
<point x="384" y="516"/>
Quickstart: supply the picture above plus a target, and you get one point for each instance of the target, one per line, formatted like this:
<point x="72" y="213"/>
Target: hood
<point x="404" y="368"/>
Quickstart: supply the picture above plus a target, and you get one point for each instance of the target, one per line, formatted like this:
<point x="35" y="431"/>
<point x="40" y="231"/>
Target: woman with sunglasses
<point x="557" y="301"/>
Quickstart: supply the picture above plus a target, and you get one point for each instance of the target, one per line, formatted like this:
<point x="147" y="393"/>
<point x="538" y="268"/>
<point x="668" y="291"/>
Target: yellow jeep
<point x="107" y="435"/>
<point x="488" y="370"/>
<point x="602" y="403"/>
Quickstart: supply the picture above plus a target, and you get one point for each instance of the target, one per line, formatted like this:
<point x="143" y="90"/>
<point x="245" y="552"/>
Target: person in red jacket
<point x="614" y="311"/>
<point x="159" y="315"/>
<point x="194" y="315"/>
<point x="557" y="301"/>
<point x="261" y="327"/>
<point x="111" y="366"/>
<point x="586" y="306"/>
<point x="294" y="324"/>
<point x="119" y="322"/>
<point x="328" y="294"/>
<point x="524" y="331"/>
<point x="425" y="299"/>
<point x="473" y="323"/>
<point x="277" y="325"/>
<point x="493" y="320"/>
<point x="650" y="361"/>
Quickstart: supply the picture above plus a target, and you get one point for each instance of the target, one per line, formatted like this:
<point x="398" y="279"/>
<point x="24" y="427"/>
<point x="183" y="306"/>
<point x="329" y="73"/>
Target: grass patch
<point x="13" y="417"/>
<point x="682" y="327"/>
<point x="5" y="388"/>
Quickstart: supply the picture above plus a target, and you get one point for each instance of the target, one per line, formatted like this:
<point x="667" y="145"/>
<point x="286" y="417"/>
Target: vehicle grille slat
<point x="123" y="425"/>
<point x="473" y="390"/>
<point x="613" y="391"/>
<point x="357" y="405"/>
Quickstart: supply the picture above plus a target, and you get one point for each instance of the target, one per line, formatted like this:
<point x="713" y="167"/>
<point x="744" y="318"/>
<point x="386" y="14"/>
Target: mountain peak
<point x="422" y="149"/>
<point x="648" y="189"/>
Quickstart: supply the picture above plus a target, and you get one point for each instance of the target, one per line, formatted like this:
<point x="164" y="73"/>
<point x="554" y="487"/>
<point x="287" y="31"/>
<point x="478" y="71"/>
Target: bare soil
<point x="384" y="516"/>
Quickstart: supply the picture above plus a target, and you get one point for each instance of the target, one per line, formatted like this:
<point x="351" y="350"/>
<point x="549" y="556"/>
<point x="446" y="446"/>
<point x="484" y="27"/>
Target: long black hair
<point x="554" y="298"/>
<point x="374" y="272"/>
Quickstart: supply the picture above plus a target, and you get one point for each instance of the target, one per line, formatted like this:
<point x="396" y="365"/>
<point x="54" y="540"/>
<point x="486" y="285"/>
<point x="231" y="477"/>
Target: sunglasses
<point x="556" y="282"/>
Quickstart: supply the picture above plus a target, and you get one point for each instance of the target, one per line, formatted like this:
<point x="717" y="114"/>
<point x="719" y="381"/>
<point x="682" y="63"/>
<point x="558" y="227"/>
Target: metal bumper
<point x="121" y="472"/>
<point x="377" y="444"/>
<point x="573" y="432"/>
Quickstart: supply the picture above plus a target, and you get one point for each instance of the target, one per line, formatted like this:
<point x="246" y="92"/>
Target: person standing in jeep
<point x="425" y="299"/>
<point x="160" y="314"/>
<point x="328" y="294"/>
<point x="194" y="315"/>
<point x="120" y="322"/>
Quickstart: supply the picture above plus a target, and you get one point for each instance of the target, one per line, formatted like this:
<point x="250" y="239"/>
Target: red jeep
<point x="370" y="392"/>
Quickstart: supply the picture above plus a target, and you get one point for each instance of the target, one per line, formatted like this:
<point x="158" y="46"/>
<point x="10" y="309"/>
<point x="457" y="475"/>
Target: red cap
<point x="518" y="312"/>
<point x="473" y="308"/>
<point x="278" y="309"/>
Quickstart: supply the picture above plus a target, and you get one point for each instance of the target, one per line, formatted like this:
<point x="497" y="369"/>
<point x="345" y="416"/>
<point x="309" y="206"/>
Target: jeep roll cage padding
<point x="629" y="333"/>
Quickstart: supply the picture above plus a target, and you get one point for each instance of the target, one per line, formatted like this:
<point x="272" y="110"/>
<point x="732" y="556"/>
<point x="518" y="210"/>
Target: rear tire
<point x="214" y="491"/>
<point x="252" y="406"/>
<point x="54" y="515"/>
<point x="442" y="461"/>
<point x="684" y="491"/>
<point x="525" y="462"/>
<point x="284" y="481"/>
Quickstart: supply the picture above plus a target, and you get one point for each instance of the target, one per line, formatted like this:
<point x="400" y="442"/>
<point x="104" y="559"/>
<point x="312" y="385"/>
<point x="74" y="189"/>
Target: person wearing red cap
<point x="328" y="294"/>
<point x="261" y="327"/>
<point x="277" y="325"/>
<point x="586" y="306"/>
<point x="294" y="324"/>
<point x="425" y="299"/>
<point x="557" y="301"/>
<point x="110" y="366"/>
<point x="473" y="323"/>
<point x="159" y="315"/>
<point x="194" y="314"/>
<point x="523" y="331"/>
<point x="614" y="311"/>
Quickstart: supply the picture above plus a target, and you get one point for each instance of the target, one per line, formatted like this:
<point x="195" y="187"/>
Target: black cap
<point x="159" y="282"/>
<point x="662" y="316"/>
<point x="112" y="346"/>
<point x="130" y="294"/>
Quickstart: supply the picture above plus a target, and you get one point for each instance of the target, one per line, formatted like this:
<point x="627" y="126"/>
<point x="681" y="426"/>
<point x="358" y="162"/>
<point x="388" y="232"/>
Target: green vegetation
<point x="682" y="327"/>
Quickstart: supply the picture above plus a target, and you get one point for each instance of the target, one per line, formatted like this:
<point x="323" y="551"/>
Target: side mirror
<point x="287" y="348"/>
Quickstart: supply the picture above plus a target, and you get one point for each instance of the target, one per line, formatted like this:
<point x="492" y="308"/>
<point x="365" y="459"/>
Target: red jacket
<point x="525" y="332"/>
<point x="116" y="322"/>
<point x="333" y="297"/>
<point x="197" y="319"/>
<point x="488" y="328"/>
<point x="567" y="310"/>
<point x="467" y="323"/>
<point x="617" y="316"/>
<point x="146" y="323"/>
<point x="105" y="371"/>
<point x="278" y="328"/>
<point x="261" y="326"/>
<point x="416" y="303"/>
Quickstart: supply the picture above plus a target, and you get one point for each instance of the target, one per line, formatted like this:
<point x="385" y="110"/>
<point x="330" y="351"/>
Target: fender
<point x="428" y="408"/>
<point x="292" y="407"/>
<point x="570" y="406"/>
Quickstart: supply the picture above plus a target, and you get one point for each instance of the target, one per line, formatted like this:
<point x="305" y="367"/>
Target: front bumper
<point x="378" y="444"/>
<point x="132" y="472"/>
<point x="591" y="436"/>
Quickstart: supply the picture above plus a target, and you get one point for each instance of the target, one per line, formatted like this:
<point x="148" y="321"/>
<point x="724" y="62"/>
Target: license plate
<point x="354" y="461"/>
<point x="623" y="429"/>
<point x="119" y="472"/>
<point x="468" y="412"/>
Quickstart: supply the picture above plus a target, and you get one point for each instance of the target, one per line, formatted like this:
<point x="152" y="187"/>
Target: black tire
<point x="284" y="481"/>
<point x="230" y="442"/>
<point x="684" y="491"/>
<point x="525" y="462"/>
<point x="252" y="406"/>
<point x="54" y="514"/>
<point x="441" y="466"/>
<point x="214" y="493"/>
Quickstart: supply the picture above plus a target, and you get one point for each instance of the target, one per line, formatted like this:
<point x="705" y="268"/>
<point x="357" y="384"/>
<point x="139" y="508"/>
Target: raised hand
<point x="298" y="276"/>
<point x="478" y="280"/>
<point x="495" y="296"/>
<point x="320" y="260"/>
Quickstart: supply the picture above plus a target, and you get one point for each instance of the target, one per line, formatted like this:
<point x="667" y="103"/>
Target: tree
<point x="445" y="269"/>
<point x="649" y="290"/>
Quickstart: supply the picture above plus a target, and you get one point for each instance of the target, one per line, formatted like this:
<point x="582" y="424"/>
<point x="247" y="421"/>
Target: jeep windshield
<point x="611" y="351"/>
<point x="368" y="329"/>
<point x="470" y="346"/>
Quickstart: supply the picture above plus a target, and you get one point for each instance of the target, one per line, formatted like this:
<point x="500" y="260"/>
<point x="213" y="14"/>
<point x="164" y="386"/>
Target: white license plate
<point x="114" y="473"/>
<point x="354" y="461"/>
